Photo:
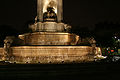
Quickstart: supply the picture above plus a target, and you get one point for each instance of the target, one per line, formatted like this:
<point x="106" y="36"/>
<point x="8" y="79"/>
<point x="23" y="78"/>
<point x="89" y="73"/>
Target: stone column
<point x="40" y="10"/>
<point x="60" y="10"/>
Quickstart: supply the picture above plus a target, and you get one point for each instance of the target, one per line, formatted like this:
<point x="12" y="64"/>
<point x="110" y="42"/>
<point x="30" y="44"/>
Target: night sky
<point x="81" y="14"/>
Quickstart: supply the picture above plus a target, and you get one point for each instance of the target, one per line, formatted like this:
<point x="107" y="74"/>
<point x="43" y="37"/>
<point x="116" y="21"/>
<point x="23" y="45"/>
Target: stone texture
<point x="49" y="38"/>
<point x="54" y="54"/>
<point x="40" y="9"/>
<point x="1" y="54"/>
<point x="49" y="27"/>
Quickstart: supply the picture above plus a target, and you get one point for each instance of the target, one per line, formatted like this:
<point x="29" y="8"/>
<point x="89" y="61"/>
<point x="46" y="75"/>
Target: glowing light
<point x="107" y="48"/>
<point x="118" y="39"/>
<point x="112" y="50"/>
<point x="115" y="37"/>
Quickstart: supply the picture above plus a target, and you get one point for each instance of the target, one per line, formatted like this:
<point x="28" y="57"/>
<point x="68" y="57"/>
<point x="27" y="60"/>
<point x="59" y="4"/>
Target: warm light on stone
<point x="49" y="3"/>
<point x="49" y="38"/>
<point x="50" y="41"/>
<point x="54" y="54"/>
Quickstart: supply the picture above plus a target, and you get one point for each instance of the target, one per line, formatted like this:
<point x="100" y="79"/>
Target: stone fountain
<point x="50" y="40"/>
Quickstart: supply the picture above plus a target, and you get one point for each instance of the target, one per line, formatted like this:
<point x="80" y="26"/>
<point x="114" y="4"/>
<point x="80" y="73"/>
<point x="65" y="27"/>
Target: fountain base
<point x="51" y="54"/>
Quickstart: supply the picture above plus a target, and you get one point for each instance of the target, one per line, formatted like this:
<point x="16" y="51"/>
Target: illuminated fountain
<point x="50" y="41"/>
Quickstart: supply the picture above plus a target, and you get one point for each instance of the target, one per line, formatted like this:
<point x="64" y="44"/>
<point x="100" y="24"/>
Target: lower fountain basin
<point x="51" y="54"/>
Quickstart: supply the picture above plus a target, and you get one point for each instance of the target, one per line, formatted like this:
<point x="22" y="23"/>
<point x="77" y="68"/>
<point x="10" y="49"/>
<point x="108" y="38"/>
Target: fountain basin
<point x="51" y="54"/>
<point x="49" y="38"/>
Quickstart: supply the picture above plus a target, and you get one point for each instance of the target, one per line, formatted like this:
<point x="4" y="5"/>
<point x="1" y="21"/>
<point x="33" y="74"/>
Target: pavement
<point x="81" y="71"/>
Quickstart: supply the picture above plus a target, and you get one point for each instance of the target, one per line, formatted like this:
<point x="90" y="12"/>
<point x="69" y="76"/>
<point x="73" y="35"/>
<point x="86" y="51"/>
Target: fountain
<point x="50" y="40"/>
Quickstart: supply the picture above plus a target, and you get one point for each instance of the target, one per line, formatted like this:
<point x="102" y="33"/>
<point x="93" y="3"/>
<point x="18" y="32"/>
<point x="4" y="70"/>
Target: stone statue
<point x="67" y="28"/>
<point x="93" y="44"/>
<point x="50" y="15"/>
<point x="52" y="4"/>
<point x="7" y="44"/>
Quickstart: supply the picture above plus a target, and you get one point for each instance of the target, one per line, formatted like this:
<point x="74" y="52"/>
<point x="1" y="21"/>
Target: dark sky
<point x="78" y="13"/>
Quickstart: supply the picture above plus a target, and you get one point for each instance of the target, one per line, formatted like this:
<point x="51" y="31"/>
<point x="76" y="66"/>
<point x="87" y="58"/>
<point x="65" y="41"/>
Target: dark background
<point x="100" y="18"/>
<point x="89" y="71"/>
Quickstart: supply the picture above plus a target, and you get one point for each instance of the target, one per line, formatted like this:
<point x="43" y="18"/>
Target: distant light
<point x="112" y="50"/>
<point x="115" y="37"/>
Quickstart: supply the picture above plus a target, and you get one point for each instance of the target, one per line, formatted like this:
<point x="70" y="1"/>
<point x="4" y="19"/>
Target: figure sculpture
<point x="50" y="15"/>
<point x="7" y="44"/>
